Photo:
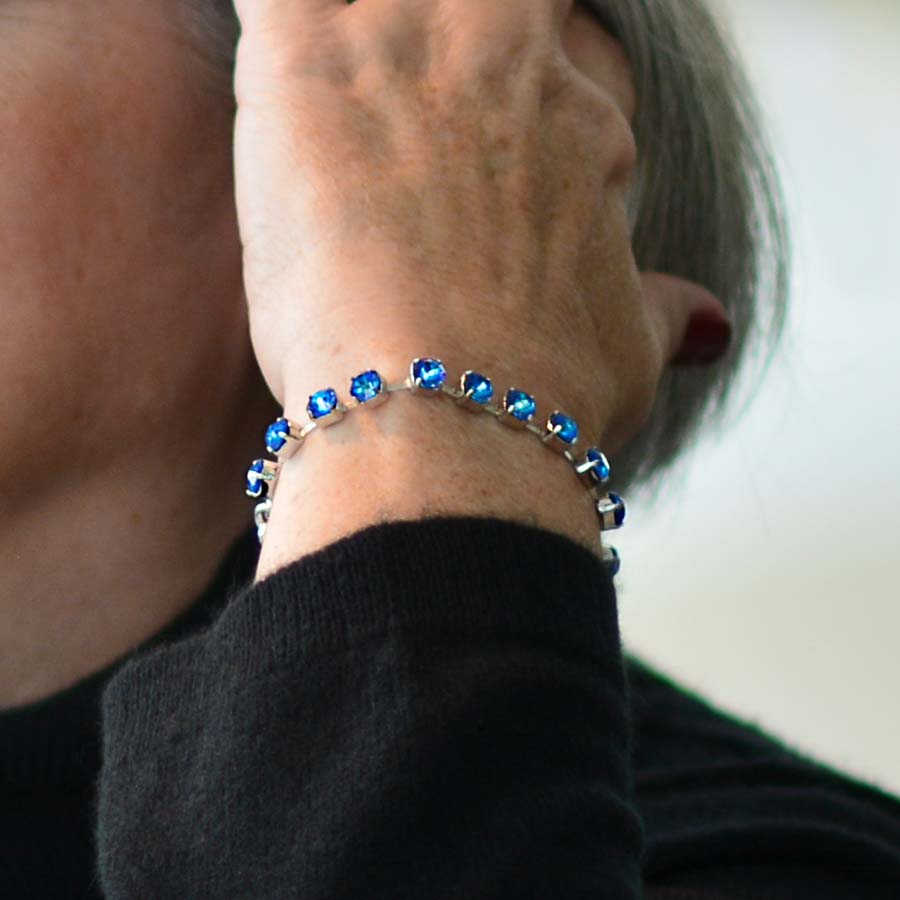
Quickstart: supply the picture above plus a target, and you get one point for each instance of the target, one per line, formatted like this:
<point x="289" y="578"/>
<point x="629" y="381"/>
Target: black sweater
<point x="426" y="710"/>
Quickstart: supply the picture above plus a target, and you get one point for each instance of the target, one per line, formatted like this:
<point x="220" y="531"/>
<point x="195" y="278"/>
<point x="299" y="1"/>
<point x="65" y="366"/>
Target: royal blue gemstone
<point x="620" y="510"/>
<point x="601" y="471"/>
<point x="276" y="435"/>
<point x="429" y="373"/>
<point x="366" y="386"/>
<point x="568" y="428"/>
<point x="520" y="405"/>
<point x="615" y="563"/>
<point x="321" y="403"/>
<point x="481" y="388"/>
<point x="256" y="486"/>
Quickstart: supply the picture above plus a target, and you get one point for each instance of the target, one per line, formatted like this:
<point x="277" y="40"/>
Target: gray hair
<point x="706" y="204"/>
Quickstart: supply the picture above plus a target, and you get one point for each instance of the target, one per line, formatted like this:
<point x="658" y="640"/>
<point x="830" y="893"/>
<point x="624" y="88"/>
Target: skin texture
<point x="124" y="355"/>
<point x="132" y="397"/>
<point x="465" y="175"/>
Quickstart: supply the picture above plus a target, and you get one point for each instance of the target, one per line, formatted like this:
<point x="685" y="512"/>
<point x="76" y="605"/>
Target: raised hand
<point x="444" y="177"/>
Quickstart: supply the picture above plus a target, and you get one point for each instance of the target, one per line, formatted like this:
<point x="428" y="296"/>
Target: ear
<point x="693" y="325"/>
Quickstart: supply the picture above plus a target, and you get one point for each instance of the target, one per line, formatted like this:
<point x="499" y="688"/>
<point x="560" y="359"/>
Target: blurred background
<point x="774" y="589"/>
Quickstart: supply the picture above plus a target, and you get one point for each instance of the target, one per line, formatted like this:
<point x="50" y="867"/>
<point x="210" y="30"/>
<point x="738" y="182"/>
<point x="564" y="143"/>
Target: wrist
<point x="414" y="457"/>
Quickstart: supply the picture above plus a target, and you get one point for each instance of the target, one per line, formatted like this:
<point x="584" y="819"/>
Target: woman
<point x="414" y="687"/>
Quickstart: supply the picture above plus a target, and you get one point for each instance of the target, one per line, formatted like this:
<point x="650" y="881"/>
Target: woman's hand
<point x="437" y="170"/>
<point x="439" y="177"/>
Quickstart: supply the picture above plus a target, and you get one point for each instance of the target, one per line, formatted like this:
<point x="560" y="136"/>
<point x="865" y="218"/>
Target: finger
<point x="286" y="14"/>
<point x="597" y="54"/>
<point x="692" y="324"/>
<point x="281" y="38"/>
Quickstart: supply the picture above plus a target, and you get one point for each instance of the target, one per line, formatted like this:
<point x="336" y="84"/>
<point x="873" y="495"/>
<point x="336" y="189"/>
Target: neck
<point x="96" y="567"/>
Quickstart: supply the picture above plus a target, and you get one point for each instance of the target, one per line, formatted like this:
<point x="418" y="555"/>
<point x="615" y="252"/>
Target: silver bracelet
<point x="428" y="377"/>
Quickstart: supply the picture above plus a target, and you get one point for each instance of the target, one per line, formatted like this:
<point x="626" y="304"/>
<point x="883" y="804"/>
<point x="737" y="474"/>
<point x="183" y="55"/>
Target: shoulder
<point x="727" y="806"/>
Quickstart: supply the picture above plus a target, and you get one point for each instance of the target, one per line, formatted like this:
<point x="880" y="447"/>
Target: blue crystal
<point x="428" y="373"/>
<point x="520" y="405"/>
<point x="276" y="435"/>
<point x="614" y="563"/>
<point x="256" y="486"/>
<point x="366" y="386"/>
<point x="321" y="403"/>
<point x="620" y="510"/>
<point x="481" y="388"/>
<point x="568" y="428"/>
<point x="601" y="471"/>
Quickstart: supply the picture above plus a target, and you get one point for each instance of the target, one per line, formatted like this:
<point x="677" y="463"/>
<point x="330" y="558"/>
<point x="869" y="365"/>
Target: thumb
<point x="692" y="324"/>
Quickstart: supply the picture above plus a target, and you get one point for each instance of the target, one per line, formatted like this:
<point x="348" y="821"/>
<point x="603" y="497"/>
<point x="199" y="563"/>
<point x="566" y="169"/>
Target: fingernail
<point x="706" y="340"/>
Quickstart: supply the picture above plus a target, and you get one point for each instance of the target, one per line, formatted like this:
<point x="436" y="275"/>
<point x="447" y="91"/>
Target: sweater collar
<point x="56" y="742"/>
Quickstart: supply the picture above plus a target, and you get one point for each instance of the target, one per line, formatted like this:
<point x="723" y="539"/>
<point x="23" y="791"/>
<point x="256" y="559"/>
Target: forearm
<point x="432" y="710"/>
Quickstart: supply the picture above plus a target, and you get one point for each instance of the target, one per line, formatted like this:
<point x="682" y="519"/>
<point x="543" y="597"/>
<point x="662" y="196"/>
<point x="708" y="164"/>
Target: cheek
<point x="88" y="179"/>
<point x="52" y="199"/>
<point x="50" y="207"/>
<point x="112" y="186"/>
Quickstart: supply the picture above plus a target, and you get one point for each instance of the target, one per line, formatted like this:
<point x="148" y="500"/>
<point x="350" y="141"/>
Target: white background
<point x="771" y="584"/>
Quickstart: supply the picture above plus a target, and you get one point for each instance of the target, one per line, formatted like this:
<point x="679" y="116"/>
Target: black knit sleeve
<point x="421" y="710"/>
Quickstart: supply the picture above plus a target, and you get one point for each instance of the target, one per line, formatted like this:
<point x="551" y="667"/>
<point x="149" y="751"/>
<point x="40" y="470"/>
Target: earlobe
<point x="693" y="323"/>
<point x="706" y="340"/>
